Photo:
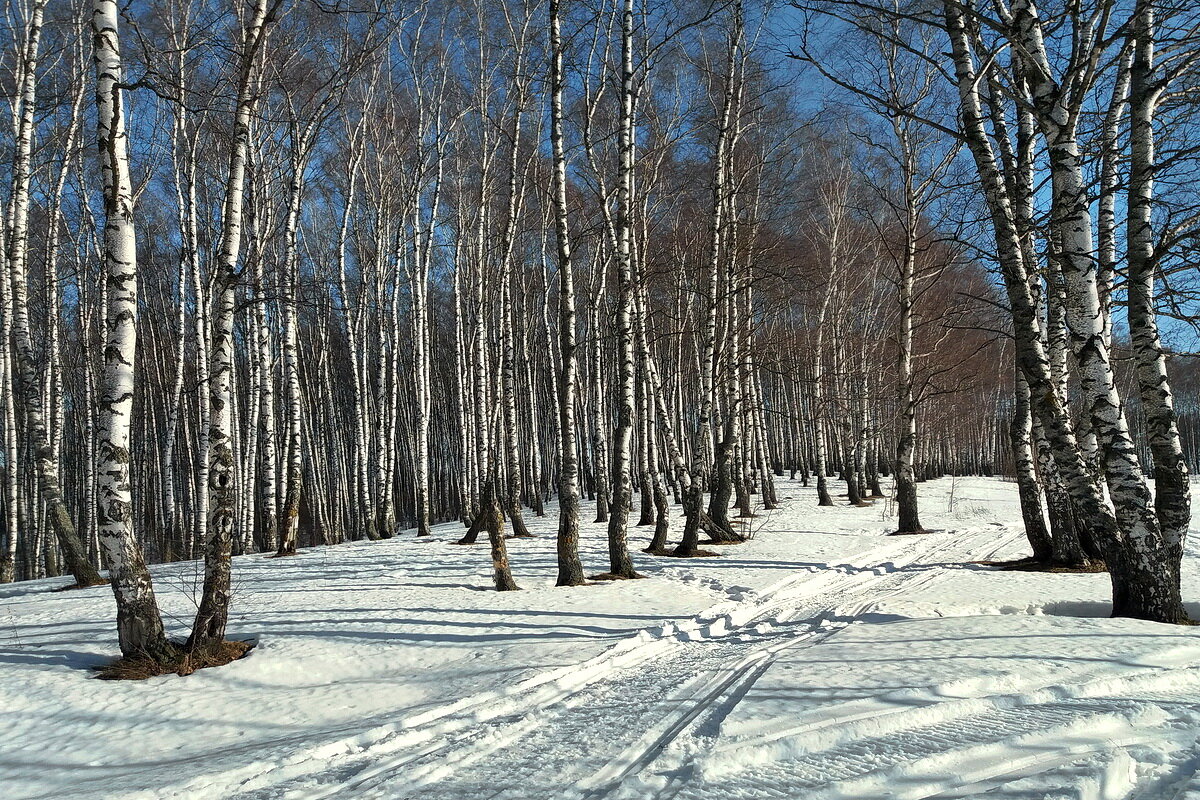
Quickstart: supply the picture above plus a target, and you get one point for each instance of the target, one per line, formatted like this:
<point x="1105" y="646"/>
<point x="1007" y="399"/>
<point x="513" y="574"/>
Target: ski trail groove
<point x="427" y="732"/>
<point x="644" y="702"/>
<point x="429" y="749"/>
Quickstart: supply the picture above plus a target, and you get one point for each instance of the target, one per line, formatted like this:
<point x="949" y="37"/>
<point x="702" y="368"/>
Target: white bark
<point x="1172" y="496"/>
<point x="620" y="564"/>
<point x="139" y="625"/>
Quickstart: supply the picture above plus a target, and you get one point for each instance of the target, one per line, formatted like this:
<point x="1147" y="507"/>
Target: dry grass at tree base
<point x="1034" y="565"/>
<point x="669" y="552"/>
<point x="185" y="662"/>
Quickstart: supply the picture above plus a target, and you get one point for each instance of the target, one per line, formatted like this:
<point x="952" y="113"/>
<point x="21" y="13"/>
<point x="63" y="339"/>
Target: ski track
<point x="626" y="710"/>
<point x="641" y="720"/>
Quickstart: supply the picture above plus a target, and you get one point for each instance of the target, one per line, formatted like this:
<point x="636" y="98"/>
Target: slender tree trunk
<point x="620" y="565"/>
<point x="290" y="279"/>
<point x="1172" y="491"/>
<point x="139" y="624"/>
<point x="462" y="408"/>
<point x="906" y="444"/>
<point x="351" y="319"/>
<point x="600" y="417"/>
<point x="570" y="569"/>
<point x="213" y="612"/>
<point x="1028" y="490"/>
<point x="268" y="453"/>
<point x="817" y="406"/>
<point x="184" y="160"/>
<point x="421" y="350"/>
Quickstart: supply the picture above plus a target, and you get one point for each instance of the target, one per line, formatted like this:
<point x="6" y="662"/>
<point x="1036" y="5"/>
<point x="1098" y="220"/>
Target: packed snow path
<point x="835" y="663"/>
<point x="612" y="718"/>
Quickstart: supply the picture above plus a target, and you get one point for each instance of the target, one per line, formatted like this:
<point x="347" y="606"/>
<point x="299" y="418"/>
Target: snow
<point x="818" y="660"/>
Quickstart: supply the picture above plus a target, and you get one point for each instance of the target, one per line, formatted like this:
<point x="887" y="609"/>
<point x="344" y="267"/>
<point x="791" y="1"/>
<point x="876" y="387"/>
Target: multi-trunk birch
<point x="1139" y="561"/>
<point x="1131" y="541"/>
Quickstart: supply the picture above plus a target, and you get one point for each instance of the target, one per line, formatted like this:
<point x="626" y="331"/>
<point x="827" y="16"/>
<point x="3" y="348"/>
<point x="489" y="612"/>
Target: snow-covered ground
<point x="819" y="660"/>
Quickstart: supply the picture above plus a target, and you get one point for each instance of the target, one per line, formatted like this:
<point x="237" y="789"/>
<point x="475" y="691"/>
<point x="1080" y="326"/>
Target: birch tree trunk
<point x="570" y="569"/>
<point x="1028" y="490"/>
<point x="1068" y="548"/>
<point x="139" y="624"/>
<point x="55" y="397"/>
<point x="1111" y="155"/>
<point x="906" y="443"/>
<point x="508" y="355"/>
<point x="492" y="517"/>
<point x="1172" y="491"/>
<point x="421" y="357"/>
<point x="213" y="612"/>
<point x="183" y="157"/>
<point x="199" y="526"/>
<point x="817" y="405"/>
<point x="8" y="560"/>
<point x="620" y="565"/>
<point x="268" y="453"/>
<point x="290" y="269"/>
<point x="468" y="501"/>
<point x="362" y="482"/>
<point x="599" y="414"/>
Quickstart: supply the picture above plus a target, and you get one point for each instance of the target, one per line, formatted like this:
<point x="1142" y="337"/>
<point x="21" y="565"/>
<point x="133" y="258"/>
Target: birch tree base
<point x="183" y="661"/>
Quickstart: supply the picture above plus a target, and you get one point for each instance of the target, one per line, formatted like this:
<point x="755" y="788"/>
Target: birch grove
<point x="333" y="273"/>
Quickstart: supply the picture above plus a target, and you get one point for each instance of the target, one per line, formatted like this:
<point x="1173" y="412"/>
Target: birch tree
<point x="213" y="612"/>
<point x="570" y="570"/>
<point x="620" y="565"/>
<point x="139" y="624"/>
<point x="1148" y="82"/>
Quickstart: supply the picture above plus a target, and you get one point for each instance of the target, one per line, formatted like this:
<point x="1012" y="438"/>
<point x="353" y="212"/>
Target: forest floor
<point x="821" y="659"/>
